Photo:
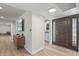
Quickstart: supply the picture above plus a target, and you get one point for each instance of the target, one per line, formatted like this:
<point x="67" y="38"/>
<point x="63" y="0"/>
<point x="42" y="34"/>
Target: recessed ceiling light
<point x="1" y="7"/>
<point x="52" y="10"/>
<point x="2" y="17"/>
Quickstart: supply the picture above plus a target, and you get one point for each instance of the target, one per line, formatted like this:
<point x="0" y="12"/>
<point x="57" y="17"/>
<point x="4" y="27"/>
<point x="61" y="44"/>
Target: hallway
<point x="7" y="48"/>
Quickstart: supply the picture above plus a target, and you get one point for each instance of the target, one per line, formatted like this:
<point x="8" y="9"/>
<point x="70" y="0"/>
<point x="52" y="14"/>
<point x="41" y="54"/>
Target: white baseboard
<point x="28" y="50"/>
<point x="33" y="52"/>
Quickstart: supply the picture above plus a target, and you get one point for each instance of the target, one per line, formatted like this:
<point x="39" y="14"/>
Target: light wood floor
<point x="54" y="50"/>
<point x="7" y="48"/>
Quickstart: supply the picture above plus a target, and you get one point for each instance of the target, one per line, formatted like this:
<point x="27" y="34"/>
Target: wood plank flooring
<point x="54" y="50"/>
<point x="7" y="48"/>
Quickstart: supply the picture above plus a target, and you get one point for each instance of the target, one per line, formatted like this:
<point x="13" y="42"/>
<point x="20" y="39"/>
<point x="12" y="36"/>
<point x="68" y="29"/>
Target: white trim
<point x="34" y="52"/>
<point x="28" y="50"/>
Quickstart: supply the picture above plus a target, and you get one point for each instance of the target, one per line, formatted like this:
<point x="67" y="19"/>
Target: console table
<point x="19" y="41"/>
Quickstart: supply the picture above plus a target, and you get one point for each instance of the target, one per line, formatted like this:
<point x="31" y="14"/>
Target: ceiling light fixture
<point x="52" y="10"/>
<point x="1" y="7"/>
<point x="2" y="17"/>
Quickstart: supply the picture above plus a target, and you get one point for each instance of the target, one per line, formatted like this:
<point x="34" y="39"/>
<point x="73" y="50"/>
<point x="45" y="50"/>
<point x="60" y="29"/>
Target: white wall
<point x="37" y="33"/>
<point x="28" y="34"/>
<point x="13" y="28"/>
<point x="5" y="28"/>
<point x="33" y="31"/>
<point x="50" y="32"/>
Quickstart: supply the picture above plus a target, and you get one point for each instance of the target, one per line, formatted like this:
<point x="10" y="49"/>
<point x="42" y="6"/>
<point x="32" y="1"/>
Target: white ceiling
<point x="63" y="9"/>
<point x="12" y="11"/>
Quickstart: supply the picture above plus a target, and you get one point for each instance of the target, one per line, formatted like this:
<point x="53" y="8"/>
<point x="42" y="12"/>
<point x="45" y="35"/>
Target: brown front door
<point x="64" y="32"/>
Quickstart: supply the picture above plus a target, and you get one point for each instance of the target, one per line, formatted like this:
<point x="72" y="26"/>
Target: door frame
<point x="70" y="17"/>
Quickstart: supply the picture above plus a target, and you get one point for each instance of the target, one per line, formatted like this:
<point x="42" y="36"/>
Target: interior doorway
<point x="5" y="29"/>
<point x="47" y="31"/>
